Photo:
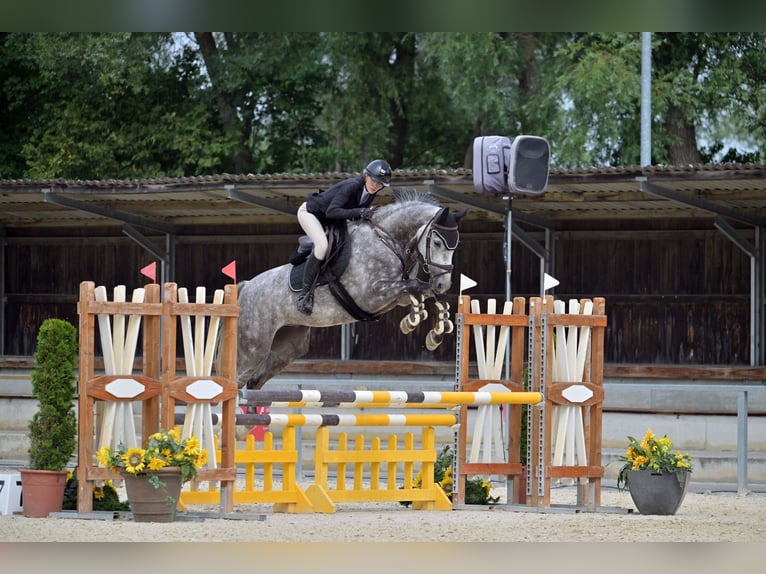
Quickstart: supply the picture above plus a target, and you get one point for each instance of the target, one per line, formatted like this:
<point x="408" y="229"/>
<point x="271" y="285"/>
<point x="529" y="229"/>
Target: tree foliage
<point x="139" y="105"/>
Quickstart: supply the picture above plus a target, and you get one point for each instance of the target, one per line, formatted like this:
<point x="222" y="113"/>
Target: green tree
<point x="110" y="105"/>
<point x="702" y="83"/>
<point x="712" y="84"/>
<point x="123" y="105"/>
<point x="266" y="89"/>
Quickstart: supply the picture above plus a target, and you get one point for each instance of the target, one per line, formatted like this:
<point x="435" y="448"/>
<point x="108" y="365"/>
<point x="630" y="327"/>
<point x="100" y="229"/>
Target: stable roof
<point x="736" y="192"/>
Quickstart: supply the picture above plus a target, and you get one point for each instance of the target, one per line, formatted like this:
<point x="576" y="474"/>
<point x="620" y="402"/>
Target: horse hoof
<point x="433" y="340"/>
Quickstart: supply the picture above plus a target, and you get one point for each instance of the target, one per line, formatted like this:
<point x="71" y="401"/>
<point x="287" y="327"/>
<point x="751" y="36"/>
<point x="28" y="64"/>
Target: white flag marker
<point x="549" y="282"/>
<point x="466" y="283"/>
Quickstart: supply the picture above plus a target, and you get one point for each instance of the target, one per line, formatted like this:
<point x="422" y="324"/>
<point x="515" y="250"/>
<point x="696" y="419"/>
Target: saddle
<point x="336" y="262"/>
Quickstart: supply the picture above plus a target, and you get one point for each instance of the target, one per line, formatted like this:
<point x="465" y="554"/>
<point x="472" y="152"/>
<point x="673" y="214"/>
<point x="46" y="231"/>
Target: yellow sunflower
<point x="192" y="445"/>
<point x="134" y="460"/>
<point x="104" y="456"/>
<point x="157" y="463"/>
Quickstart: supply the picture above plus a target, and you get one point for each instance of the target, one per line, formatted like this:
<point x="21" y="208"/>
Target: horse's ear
<point x="458" y="215"/>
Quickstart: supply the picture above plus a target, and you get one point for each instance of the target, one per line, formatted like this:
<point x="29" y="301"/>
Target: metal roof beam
<point x="528" y="241"/>
<point x="734" y="236"/>
<point x="700" y="203"/>
<point x="144" y="242"/>
<point x="485" y="204"/>
<point x="166" y="256"/>
<point x="51" y="197"/>
<point x="278" y="206"/>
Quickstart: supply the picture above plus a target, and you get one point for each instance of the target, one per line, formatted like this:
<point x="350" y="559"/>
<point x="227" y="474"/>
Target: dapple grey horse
<point x="401" y="257"/>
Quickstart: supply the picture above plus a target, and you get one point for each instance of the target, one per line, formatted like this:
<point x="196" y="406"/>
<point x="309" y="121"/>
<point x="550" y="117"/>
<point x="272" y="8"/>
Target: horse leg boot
<point x="310" y="275"/>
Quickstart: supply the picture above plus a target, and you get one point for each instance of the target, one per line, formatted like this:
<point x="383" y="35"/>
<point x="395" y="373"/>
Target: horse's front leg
<point x="443" y="326"/>
<point x="417" y="314"/>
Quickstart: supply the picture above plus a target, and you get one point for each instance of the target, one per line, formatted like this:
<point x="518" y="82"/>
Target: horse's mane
<point x="407" y="194"/>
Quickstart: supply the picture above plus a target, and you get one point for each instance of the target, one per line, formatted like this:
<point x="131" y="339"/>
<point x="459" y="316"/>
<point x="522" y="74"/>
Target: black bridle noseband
<point x="409" y="255"/>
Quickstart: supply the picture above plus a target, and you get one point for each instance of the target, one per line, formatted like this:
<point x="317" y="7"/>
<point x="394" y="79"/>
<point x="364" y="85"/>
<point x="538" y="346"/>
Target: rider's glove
<point x="366" y="213"/>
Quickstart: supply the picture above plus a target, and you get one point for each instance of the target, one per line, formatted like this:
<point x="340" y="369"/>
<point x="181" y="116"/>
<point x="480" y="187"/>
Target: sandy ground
<point x="713" y="532"/>
<point x="704" y="516"/>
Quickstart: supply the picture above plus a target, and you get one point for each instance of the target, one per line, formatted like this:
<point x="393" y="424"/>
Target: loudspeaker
<point x="491" y="156"/>
<point x="528" y="171"/>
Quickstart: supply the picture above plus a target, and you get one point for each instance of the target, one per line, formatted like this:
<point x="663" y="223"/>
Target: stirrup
<point x="306" y="303"/>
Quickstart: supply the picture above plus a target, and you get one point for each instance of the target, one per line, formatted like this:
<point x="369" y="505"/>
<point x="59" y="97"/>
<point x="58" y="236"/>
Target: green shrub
<point x="53" y="428"/>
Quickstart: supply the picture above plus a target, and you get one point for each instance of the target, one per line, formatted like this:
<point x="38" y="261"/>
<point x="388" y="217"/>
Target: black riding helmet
<point x="380" y="171"/>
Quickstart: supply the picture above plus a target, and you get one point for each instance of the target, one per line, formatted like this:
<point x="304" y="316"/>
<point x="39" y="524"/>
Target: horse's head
<point x="420" y="230"/>
<point x="437" y="242"/>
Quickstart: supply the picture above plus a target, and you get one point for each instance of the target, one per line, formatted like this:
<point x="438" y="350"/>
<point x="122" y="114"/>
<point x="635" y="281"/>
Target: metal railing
<point x="742" y="391"/>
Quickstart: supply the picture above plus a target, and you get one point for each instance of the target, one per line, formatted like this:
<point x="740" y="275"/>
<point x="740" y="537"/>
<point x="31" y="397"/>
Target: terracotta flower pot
<point x="655" y="492"/>
<point x="154" y="500"/>
<point x="42" y="491"/>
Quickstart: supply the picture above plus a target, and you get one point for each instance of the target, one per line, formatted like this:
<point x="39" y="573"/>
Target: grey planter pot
<point x="656" y="493"/>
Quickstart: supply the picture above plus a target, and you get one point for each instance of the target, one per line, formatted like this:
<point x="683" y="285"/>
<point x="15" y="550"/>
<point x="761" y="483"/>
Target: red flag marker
<point x="150" y="271"/>
<point x="231" y="270"/>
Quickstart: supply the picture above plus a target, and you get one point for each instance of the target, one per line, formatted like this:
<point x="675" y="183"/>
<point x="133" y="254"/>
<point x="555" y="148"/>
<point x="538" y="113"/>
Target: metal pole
<point x="742" y="442"/>
<point x="757" y="301"/>
<point x="646" y="98"/>
<point x="508" y="290"/>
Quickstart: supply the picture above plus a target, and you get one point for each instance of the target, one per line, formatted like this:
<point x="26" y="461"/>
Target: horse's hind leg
<point x="289" y="343"/>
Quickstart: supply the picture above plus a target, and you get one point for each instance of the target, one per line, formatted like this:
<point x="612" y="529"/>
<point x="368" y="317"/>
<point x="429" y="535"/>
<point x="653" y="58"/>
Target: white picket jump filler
<point x="198" y="355"/>
<point x="568" y="366"/>
<point x="119" y="352"/>
<point x="488" y="439"/>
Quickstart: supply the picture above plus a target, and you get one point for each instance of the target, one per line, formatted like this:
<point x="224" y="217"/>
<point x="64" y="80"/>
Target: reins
<point x="409" y="255"/>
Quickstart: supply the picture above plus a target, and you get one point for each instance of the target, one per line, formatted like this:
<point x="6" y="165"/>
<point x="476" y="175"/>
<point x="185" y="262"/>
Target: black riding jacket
<point x="340" y="201"/>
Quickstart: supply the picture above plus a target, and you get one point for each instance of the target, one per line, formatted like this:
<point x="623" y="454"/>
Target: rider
<point x="347" y="199"/>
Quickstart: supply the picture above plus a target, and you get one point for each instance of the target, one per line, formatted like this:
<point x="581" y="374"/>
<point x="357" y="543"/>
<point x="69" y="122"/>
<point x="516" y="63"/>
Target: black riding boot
<point x="310" y="274"/>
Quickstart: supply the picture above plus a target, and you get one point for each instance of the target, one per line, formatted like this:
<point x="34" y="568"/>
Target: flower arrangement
<point x="655" y="454"/>
<point x="165" y="448"/>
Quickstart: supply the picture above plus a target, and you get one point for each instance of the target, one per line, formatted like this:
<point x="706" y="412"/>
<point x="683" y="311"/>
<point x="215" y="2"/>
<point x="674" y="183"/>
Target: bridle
<point x="409" y="255"/>
<point x="441" y="231"/>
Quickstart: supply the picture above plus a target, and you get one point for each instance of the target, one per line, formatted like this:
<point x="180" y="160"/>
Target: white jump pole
<point x="129" y="355"/>
<point x="199" y="358"/>
<point x="199" y="354"/>
<point x="207" y="440"/>
<point x="118" y="343"/>
<point x="118" y="351"/>
<point x="495" y="371"/>
<point x="570" y="353"/>
<point x="582" y="351"/>
<point x="191" y="364"/>
<point x="574" y="412"/>
<point x="490" y="356"/>
<point x="107" y="350"/>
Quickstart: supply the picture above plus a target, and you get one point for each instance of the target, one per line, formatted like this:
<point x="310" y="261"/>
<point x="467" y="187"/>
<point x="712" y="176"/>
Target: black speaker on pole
<point x="528" y="172"/>
<point x="503" y="166"/>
